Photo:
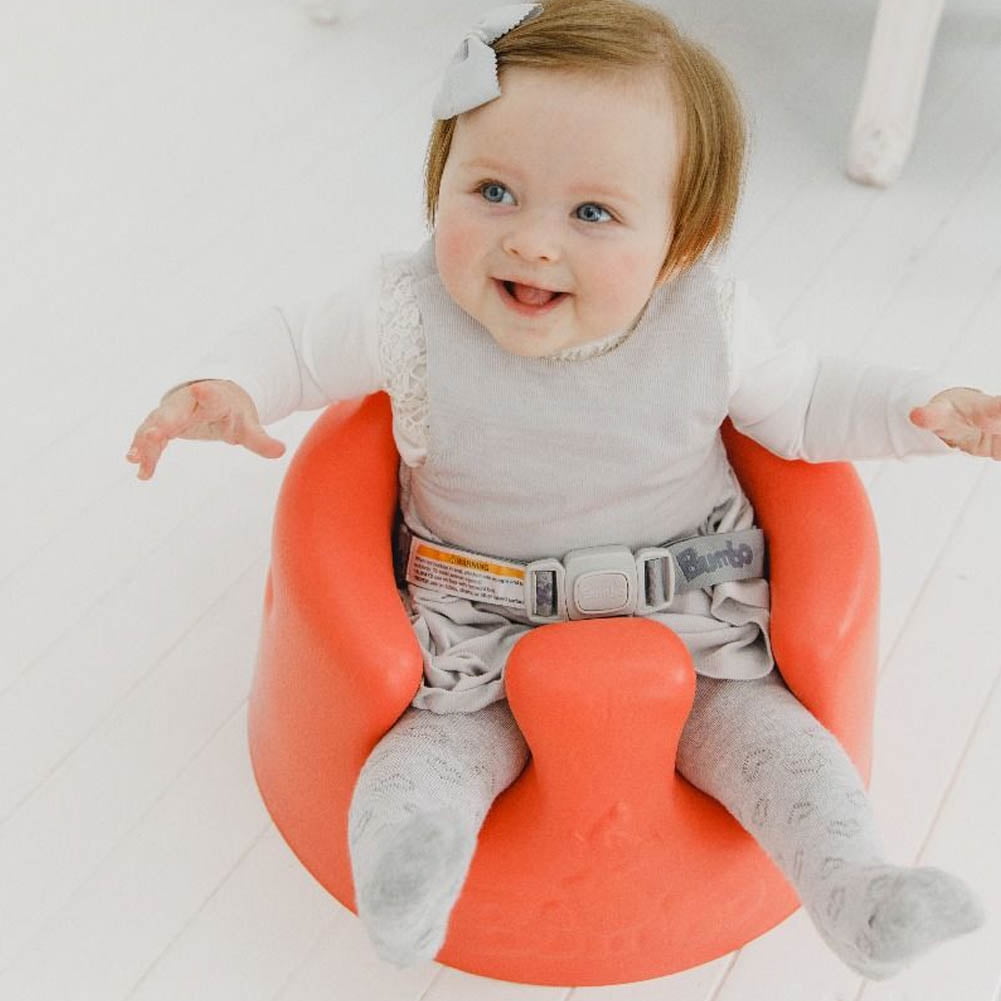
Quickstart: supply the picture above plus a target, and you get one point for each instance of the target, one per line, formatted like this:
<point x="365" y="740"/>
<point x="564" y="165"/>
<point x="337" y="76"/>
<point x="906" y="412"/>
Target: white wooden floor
<point x="167" y="169"/>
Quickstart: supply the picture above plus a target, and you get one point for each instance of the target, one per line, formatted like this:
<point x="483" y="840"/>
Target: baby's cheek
<point x="456" y="250"/>
<point x="456" y="243"/>
<point x="631" y="276"/>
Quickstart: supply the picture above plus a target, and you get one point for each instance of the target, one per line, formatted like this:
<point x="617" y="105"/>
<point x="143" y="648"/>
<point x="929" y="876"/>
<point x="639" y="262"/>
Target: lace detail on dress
<point x="726" y="291"/>
<point x="403" y="351"/>
<point x="724" y="299"/>
<point x="592" y="349"/>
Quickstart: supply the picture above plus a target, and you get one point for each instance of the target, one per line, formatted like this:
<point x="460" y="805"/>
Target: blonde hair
<point x="605" y="37"/>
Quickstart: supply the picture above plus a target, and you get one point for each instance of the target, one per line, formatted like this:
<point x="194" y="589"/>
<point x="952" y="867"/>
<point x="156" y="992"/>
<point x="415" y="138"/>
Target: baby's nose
<point x="533" y="239"/>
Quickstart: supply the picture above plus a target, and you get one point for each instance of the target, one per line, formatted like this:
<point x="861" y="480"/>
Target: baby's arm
<point x="283" y="360"/>
<point x="830" y="408"/>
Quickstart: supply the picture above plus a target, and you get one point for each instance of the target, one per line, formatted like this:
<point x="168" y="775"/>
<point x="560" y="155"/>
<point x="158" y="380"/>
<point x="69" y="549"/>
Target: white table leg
<point x="887" y="114"/>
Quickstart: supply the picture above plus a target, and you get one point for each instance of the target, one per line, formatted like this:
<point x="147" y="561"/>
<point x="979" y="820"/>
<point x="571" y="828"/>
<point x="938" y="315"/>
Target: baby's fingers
<point x="146" y="449"/>
<point x="965" y="419"/>
<point x="233" y="417"/>
<point x="985" y="414"/>
<point x="162" y="424"/>
<point x="261" y="443"/>
<point x="935" y="416"/>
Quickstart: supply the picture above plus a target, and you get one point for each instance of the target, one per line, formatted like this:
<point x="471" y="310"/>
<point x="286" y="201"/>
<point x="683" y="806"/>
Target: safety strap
<point x="586" y="583"/>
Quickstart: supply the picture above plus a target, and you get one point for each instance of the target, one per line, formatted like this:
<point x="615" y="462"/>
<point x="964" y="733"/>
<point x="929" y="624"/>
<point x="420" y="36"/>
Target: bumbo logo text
<point x="693" y="565"/>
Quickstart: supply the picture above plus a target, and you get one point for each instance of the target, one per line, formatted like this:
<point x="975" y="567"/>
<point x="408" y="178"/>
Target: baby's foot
<point x="879" y="918"/>
<point x="407" y="898"/>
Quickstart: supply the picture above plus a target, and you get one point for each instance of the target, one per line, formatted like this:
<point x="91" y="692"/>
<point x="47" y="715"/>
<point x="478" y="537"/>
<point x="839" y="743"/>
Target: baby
<point x="560" y="356"/>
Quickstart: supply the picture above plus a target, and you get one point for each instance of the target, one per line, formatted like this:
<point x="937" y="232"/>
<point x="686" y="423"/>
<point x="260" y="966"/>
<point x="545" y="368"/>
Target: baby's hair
<point x="605" y="37"/>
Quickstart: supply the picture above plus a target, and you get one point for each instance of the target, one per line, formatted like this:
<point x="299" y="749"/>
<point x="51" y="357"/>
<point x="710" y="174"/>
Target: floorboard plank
<point x="117" y="924"/>
<point x="76" y="819"/>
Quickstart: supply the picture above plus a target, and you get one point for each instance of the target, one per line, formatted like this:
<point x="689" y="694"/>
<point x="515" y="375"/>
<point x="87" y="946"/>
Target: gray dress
<point x="533" y="457"/>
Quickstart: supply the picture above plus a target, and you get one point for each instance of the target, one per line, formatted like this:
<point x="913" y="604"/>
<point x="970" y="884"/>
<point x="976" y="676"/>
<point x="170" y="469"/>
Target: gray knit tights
<point x="417" y="809"/>
<point x="755" y="748"/>
<point x="426" y="788"/>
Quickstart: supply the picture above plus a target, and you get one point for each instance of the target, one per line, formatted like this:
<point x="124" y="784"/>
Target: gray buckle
<point x="544" y="591"/>
<point x="655" y="568"/>
<point x="599" y="582"/>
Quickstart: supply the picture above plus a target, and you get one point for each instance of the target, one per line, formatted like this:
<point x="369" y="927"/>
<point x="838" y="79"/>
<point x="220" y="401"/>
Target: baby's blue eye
<point x="591" y="212"/>
<point x="496" y="193"/>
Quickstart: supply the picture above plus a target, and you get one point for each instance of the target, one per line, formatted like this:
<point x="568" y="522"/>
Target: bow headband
<point x="471" y="77"/>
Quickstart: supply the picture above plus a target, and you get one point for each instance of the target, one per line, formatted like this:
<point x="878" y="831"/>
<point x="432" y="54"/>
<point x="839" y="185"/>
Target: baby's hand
<point x="212" y="410"/>
<point x="963" y="418"/>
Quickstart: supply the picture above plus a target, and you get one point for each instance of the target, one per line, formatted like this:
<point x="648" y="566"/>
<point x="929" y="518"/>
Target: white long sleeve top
<point x="794" y="402"/>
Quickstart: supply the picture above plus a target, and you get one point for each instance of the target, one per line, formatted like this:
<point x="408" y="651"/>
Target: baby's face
<point x="556" y="207"/>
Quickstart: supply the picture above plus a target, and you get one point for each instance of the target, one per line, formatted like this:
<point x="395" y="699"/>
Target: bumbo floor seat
<point x="600" y="864"/>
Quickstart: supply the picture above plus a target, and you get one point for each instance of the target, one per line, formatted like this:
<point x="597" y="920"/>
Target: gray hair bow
<point x="471" y="77"/>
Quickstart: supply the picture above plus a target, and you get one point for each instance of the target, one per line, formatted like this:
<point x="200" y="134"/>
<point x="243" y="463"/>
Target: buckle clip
<point x="657" y="573"/>
<point x="600" y="581"/>
<point x="545" y="590"/>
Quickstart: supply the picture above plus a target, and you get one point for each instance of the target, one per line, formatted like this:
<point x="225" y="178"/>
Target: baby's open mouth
<point x="529" y="295"/>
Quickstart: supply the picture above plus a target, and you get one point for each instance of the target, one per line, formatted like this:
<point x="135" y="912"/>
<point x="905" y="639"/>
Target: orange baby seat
<point x="599" y="865"/>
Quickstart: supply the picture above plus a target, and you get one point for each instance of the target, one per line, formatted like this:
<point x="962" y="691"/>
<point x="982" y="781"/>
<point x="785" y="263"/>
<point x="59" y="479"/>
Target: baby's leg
<point x="415" y="815"/>
<point x="752" y="746"/>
